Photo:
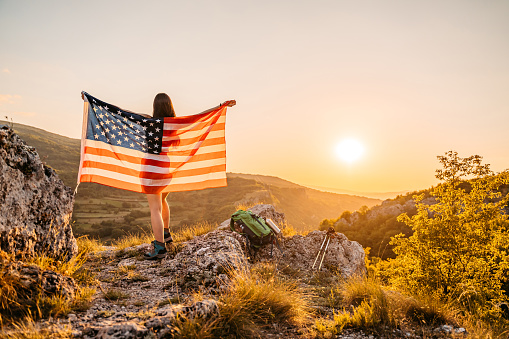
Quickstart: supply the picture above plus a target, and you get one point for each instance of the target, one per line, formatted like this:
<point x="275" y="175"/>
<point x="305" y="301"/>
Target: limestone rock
<point x="36" y="206"/>
<point x="111" y="330"/>
<point x="33" y="280"/>
<point x="205" y="259"/>
<point x="299" y="253"/>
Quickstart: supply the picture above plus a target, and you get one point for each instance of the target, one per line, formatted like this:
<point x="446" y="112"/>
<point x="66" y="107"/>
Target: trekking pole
<point x="323" y="250"/>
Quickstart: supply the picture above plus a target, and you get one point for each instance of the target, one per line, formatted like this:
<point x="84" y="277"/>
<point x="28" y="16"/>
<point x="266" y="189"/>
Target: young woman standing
<point x="159" y="209"/>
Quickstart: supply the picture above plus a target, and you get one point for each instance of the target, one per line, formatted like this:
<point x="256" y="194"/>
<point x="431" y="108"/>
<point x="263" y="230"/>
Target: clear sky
<point x="408" y="80"/>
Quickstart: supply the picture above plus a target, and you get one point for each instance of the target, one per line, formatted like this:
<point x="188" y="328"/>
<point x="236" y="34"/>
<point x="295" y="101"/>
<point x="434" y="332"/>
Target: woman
<point x="159" y="209"/>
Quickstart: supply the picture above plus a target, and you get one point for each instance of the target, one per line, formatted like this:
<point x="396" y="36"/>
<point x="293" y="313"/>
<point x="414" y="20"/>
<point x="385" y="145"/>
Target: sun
<point x="350" y="150"/>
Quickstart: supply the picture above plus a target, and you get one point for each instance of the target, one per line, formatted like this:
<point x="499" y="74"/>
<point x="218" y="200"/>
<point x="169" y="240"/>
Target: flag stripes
<point x="191" y="153"/>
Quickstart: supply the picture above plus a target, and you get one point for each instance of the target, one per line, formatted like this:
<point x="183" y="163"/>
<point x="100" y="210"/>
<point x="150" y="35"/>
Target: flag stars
<point x="158" y="120"/>
<point x="96" y="136"/>
<point x="119" y="142"/>
<point x="158" y="129"/>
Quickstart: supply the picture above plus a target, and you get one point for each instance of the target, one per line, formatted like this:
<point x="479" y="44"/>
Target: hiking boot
<point x="167" y="237"/>
<point x="158" y="252"/>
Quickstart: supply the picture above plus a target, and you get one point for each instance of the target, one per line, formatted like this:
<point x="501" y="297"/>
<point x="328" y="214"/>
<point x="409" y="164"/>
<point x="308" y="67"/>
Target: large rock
<point x="205" y="259"/>
<point x="299" y="253"/>
<point x="31" y="281"/>
<point x="36" y="206"/>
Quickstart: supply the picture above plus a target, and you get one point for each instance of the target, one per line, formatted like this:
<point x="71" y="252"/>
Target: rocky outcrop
<point x="205" y="259"/>
<point x="162" y="323"/>
<point x="30" y="281"/>
<point x="298" y="253"/>
<point x="35" y="204"/>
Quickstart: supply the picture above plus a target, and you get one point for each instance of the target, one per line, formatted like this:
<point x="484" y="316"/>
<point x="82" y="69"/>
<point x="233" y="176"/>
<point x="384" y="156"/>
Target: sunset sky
<point x="405" y="80"/>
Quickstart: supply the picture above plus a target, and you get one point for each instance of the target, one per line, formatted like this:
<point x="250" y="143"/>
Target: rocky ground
<point x="138" y="298"/>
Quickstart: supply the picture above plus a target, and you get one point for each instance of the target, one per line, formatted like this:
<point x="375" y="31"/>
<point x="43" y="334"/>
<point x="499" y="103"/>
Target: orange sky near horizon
<point x="408" y="80"/>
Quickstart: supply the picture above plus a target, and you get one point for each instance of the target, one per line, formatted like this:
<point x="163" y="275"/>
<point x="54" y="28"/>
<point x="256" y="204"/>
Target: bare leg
<point x="165" y="211"/>
<point x="156" y="206"/>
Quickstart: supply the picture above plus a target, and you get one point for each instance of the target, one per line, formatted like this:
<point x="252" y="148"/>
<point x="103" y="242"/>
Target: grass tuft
<point x="188" y="233"/>
<point x="257" y="298"/>
<point x="131" y="240"/>
<point x="113" y="295"/>
<point x="27" y="328"/>
<point x="88" y="245"/>
<point x="363" y="303"/>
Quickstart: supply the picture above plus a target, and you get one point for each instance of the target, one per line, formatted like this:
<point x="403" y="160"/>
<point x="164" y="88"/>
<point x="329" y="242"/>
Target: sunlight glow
<point x="350" y="150"/>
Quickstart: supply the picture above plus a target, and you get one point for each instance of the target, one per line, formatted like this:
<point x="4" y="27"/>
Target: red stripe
<point x="203" y="128"/>
<point x="152" y="189"/>
<point x="189" y="119"/>
<point x="188" y="152"/>
<point x="136" y="160"/>
<point x="152" y="175"/>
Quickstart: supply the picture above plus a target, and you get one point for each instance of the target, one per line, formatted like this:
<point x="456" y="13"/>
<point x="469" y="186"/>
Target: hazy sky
<point x="409" y="80"/>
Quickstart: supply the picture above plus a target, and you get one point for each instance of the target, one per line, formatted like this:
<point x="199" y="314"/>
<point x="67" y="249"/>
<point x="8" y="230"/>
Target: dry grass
<point x="190" y="232"/>
<point x="258" y="298"/>
<point x="88" y="245"/>
<point x="132" y="239"/>
<point x="182" y="235"/>
<point x="16" y="300"/>
<point x="27" y="328"/>
<point x="363" y="303"/>
<point x="114" y="295"/>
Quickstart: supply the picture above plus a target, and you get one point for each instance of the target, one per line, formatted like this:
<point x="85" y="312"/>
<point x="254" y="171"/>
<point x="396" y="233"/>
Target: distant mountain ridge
<point x="107" y="212"/>
<point x="374" y="195"/>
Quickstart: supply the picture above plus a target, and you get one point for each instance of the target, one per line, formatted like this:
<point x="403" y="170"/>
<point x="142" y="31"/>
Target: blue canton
<point x="112" y="125"/>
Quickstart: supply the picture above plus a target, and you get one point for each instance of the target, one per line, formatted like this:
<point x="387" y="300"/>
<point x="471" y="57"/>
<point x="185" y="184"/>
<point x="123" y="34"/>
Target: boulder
<point x="32" y="281"/>
<point x="298" y="253"/>
<point x="205" y="259"/>
<point x="36" y="206"/>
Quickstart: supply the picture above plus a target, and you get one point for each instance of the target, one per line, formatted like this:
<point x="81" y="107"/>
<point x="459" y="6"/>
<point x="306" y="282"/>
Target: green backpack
<point x="254" y="228"/>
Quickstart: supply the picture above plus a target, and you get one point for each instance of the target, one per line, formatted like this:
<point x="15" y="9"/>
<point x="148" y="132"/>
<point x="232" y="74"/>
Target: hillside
<point x="109" y="213"/>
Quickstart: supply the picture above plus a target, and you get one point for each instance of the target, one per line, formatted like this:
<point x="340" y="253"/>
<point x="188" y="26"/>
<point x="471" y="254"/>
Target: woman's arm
<point x="229" y="103"/>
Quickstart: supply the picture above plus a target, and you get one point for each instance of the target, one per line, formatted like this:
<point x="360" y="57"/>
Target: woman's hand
<point x="229" y="103"/>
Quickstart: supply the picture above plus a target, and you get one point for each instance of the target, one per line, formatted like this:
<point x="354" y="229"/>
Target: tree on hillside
<point x="459" y="250"/>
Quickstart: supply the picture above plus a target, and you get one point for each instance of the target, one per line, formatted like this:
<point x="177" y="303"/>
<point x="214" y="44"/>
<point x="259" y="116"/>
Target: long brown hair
<point x="163" y="106"/>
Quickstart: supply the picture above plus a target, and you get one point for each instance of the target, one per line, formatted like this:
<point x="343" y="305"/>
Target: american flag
<point x="126" y="150"/>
